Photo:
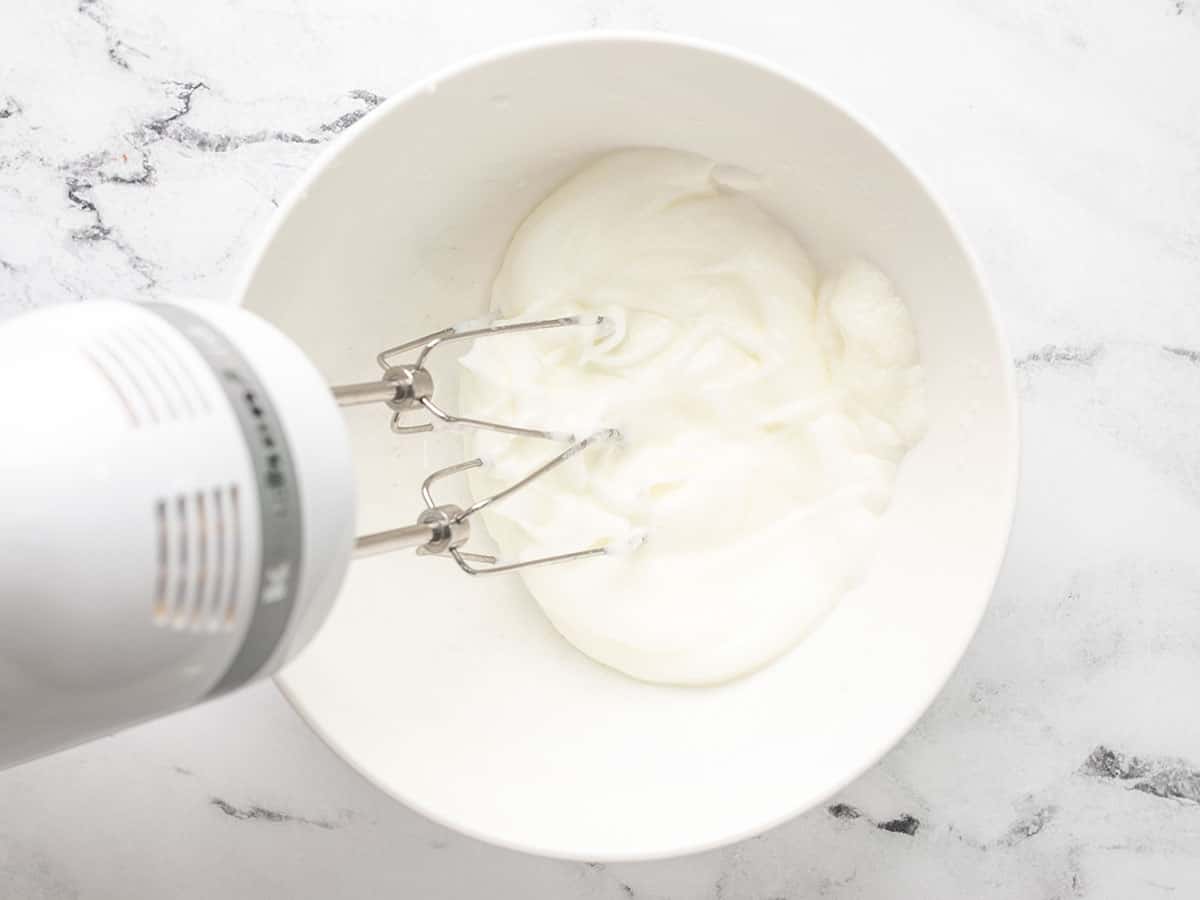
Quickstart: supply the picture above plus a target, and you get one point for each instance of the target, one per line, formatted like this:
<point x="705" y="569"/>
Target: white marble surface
<point x="143" y="145"/>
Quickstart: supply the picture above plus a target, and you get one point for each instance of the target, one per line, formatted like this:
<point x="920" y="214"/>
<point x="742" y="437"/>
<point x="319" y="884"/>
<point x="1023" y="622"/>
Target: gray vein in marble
<point x="100" y="232"/>
<point x="600" y="869"/>
<point x="902" y="824"/>
<point x="1075" y="867"/>
<point x="9" y="108"/>
<point x="106" y="168"/>
<point x="1021" y="830"/>
<point x="1055" y="355"/>
<point x="1024" y="829"/>
<point x="1164" y="777"/>
<point x="184" y="92"/>
<point x="722" y="883"/>
<point x="262" y="814"/>
<point x="369" y="99"/>
<point x="1187" y="353"/>
<point x="118" y="50"/>
<point x="215" y="142"/>
<point x="844" y="811"/>
<point x="172" y="128"/>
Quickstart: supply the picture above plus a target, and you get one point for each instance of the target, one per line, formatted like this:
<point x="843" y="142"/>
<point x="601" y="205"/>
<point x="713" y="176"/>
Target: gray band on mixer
<point x="278" y="493"/>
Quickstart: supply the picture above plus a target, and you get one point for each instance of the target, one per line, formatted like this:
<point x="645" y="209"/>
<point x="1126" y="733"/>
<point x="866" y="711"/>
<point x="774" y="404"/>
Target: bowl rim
<point x="317" y="170"/>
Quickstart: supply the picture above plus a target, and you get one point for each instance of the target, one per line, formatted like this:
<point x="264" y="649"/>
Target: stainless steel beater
<point x="444" y="529"/>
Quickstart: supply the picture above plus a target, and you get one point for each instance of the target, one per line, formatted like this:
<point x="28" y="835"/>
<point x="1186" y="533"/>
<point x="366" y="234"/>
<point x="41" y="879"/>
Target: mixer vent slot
<point x="143" y="368"/>
<point x="199" y="559"/>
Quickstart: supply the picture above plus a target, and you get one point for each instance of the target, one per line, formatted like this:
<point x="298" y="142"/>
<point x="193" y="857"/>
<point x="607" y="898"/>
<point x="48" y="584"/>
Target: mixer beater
<point x="185" y="528"/>
<point x="405" y="388"/>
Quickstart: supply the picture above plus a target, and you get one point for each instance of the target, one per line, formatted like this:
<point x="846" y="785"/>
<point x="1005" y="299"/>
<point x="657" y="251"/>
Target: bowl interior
<point x="455" y="695"/>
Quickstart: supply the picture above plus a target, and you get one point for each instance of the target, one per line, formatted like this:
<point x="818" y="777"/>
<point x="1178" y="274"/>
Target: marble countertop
<point x="145" y="143"/>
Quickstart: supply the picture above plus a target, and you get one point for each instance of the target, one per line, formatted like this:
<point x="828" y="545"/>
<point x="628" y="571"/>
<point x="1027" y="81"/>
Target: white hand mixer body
<point x="182" y="524"/>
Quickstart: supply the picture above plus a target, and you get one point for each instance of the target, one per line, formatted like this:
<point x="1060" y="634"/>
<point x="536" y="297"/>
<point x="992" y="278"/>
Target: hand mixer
<point x="177" y="506"/>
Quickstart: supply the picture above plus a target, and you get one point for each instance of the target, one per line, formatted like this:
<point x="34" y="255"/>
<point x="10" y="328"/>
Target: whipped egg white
<point x="764" y="409"/>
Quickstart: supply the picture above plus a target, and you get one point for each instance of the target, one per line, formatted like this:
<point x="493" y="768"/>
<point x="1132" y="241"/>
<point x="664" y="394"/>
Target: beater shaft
<point x="364" y="393"/>
<point x="393" y="539"/>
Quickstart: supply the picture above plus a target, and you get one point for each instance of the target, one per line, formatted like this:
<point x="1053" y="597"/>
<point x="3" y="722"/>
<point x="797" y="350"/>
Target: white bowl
<point x="455" y="695"/>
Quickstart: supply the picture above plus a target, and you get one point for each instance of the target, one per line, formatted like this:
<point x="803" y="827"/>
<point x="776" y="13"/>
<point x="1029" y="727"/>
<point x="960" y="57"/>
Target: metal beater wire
<point x="463" y="558"/>
<point x="432" y="341"/>
<point x="444" y="528"/>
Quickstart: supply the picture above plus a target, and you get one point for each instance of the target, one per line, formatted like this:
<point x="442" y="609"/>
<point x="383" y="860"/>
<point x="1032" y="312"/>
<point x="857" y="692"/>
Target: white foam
<point x="760" y="412"/>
